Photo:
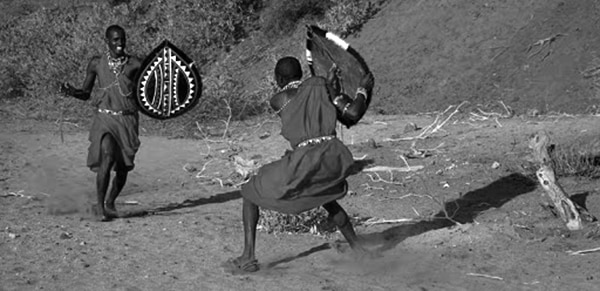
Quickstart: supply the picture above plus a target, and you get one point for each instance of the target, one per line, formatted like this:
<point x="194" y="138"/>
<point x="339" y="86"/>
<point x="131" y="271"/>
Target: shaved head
<point x="288" y="69"/>
<point x="116" y="40"/>
<point x="112" y="28"/>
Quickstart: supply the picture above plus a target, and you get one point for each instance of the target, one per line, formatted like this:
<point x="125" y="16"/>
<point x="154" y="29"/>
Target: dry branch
<point x="582" y="252"/>
<point x="199" y="174"/>
<point x="17" y="194"/>
<point x="541" y="43"/>
<point x="539" y="144"/>
<point x="390" y="169"/>
<point x="416" y="153"/>
<point x="482" y="115"/>
<point x="378" y="179"/>
<point x="228" y="118"/>
<point x="440" y="120"/>
<point x="374" y="221"/>
<point x="485" y="276"/>
<point x="589" y="73"/>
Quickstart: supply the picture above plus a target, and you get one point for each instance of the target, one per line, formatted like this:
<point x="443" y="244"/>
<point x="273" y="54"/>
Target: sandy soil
<point x="185" y="211"/>
<point x="506" y="239"/>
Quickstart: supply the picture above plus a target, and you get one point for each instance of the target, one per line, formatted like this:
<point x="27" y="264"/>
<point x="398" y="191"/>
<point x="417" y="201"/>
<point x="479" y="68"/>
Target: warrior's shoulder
<point x="278" y="100"/>
<point x="314" y="80"/>
<point x="95" y="59"/>
<point x="94" y="62"/>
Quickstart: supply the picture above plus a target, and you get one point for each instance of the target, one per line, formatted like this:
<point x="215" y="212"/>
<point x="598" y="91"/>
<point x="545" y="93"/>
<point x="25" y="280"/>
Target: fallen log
<point x="539" y="143"/>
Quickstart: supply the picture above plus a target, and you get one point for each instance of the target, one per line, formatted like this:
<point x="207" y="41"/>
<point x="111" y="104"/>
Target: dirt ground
<point x="184" y="208"/>
<point x="506" y="238"/>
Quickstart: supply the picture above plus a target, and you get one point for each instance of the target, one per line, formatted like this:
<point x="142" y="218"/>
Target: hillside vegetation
<point x="535" y="56"/>
<point x="52" y="44"/>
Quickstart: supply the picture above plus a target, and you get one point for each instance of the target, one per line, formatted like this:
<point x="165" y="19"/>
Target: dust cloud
<point x="64" y="189"/>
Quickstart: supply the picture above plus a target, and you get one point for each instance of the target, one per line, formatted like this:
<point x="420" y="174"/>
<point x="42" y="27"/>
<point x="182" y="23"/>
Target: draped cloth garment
<point x="309" y="176"/>
<point x="115" y="95"/>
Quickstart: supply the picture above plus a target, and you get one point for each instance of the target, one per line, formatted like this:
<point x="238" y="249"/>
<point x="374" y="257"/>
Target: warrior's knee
<point x="340" y="219"/>
<point x="107" y="146"/>
<point x="337" y="215"/>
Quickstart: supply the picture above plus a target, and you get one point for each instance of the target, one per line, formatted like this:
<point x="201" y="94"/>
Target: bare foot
<point x="101" y="214"/>
<point x="240" y="266"/>
<point x="111" y="207"/>
<point x="110" y="214"/>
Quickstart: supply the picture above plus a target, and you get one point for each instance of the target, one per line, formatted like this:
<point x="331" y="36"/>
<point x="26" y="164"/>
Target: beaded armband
<point x="362" y="91"/>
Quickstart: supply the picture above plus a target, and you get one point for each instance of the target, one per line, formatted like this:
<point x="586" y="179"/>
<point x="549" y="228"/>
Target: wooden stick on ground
<point x="390" y="169"/>
<point x="539" y="144"/>
<point x="582" y="252"/>
<point x="374" y="221"/>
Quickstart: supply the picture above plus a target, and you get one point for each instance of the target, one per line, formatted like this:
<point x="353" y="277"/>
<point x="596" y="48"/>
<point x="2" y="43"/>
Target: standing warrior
<point x="314" y="173"/>
<point x="114" y="132"/>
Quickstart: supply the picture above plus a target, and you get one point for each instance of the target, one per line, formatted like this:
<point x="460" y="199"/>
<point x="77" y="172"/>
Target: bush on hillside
<point x="347" y="17"/>
<point x="343" y="17"/>
<point x="282" y="16"/>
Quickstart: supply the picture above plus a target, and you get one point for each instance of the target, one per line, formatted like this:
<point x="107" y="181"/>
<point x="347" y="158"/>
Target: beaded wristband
<point x="362" y="91"/>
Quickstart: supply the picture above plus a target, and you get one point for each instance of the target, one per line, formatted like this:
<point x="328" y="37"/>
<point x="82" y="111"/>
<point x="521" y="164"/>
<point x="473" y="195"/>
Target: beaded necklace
<point x="116" y="64"/>
<point x="290" y="85"/>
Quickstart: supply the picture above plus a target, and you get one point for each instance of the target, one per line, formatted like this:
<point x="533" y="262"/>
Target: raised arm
<point x="351" y="110"/>
<point x="88" y="84"/>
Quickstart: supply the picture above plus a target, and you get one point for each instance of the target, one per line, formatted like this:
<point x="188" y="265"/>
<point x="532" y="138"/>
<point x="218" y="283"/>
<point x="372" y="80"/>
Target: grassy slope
<point x="428" y="55"/>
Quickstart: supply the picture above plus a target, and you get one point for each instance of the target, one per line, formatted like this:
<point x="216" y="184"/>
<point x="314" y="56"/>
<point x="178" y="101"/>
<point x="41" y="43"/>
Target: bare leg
<point x="338" y="215"/>
<point x="247" y="261"/>
<point x="117" y="185"/>
<point x="250" y="215"/>
<point x="341" y="220"/>
<point x="107" y="161"/>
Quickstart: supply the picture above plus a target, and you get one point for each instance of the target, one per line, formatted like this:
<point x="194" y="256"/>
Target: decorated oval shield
<point x="168" y="84"/>
<point x="323" y="49"/>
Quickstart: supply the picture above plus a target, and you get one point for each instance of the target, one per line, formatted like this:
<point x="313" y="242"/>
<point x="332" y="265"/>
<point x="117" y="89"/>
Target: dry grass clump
<point x="314" y="221"/>
<point x="311" y="221"/>
<point x="580" y="157"/>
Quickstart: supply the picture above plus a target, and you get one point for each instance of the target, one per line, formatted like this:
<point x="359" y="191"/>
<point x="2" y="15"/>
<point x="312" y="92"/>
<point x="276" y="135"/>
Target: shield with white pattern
<point x="324" y="48"/>
<point x="168" y="84"/>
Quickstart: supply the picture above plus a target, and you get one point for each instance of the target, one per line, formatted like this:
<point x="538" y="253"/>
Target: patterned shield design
<point x="168" y="84"/>
<point x="324" y="48"/>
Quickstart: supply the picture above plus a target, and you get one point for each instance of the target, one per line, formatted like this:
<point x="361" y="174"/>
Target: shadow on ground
<point x="188" y="203"/>
<point x="463" y="210"/>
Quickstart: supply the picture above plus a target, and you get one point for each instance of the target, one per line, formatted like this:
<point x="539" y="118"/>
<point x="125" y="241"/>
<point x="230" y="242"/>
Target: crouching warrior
<point x="314" y="172"/>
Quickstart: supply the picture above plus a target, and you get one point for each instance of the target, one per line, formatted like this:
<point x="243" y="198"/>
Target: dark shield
<point x="324" y="48"/>
<point x="168" y="84"/>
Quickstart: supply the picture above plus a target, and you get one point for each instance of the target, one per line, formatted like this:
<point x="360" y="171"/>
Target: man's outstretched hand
<point x="66" y="88"/>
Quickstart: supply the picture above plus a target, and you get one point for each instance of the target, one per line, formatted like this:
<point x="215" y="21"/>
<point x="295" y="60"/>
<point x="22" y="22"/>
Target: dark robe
<point x="309" y="176"/>
<point x="115" y="95"/>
